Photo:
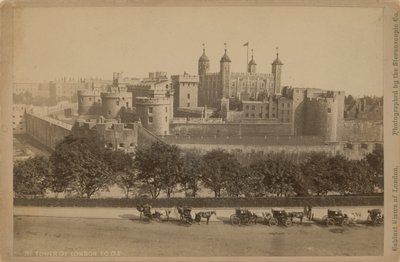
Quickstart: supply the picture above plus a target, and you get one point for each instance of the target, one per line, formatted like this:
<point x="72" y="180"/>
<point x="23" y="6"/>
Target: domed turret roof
<point x="277" y="61"/>
<point x="225" y="58"/>
<point x="252" y="62"/>
<point x="203" y="57"/>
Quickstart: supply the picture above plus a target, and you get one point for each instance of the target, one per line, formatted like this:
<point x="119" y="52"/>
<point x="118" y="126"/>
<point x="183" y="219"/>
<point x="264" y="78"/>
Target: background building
<point x="227" y="84"/>
<point x="185" y="90"/>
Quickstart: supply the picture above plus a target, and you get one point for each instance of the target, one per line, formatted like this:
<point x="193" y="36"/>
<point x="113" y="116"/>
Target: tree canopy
<point x="80" y="167"/>
<point x="30" y="176"/>
<point x="159" y="167"/>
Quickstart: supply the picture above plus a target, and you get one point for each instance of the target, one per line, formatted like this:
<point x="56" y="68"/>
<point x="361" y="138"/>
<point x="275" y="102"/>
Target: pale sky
<point x="328" y="48"/>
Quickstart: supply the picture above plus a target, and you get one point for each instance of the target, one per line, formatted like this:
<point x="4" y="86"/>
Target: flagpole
<point x="247" y="60"/>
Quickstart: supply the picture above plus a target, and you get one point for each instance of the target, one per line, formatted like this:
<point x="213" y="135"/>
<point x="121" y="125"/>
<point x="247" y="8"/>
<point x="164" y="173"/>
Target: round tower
<point x="113" y="102"/>
<point x="154" y="114"/>
<point x="331" y="117"/>
<point x="204" y="63"/>
<point x="251" y="67"/>
<point x="88" y="102"/>
<point x="225" y="73"/>
<point x="276" y="72"/>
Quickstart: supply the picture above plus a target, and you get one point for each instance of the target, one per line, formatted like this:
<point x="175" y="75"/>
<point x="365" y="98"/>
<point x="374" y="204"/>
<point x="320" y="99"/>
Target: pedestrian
<point x="309" y="212"/>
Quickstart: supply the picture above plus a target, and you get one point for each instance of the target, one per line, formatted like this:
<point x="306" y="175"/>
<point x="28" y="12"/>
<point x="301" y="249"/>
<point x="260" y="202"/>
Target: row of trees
<point x="82" y="166"/>
<point x="28" y="99"/>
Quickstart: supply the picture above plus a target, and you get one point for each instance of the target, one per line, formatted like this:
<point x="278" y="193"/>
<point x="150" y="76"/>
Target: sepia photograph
<point x="218" y="130"/>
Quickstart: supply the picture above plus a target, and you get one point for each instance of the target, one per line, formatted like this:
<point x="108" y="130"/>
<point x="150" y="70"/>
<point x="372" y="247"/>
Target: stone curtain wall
<point x="230" y="129"/>
<point x="46" y="130"/>
<point x="362" y="130"/>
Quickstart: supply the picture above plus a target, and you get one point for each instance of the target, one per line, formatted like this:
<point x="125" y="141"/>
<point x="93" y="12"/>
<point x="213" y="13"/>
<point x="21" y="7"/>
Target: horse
<point x="167" y="213"/>
<point x="354" y="217"/>
<point x="204" y="214"/>
<point x="298" y="215"/>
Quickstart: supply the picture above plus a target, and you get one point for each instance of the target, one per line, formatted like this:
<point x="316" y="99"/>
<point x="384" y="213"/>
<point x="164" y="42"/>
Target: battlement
<point x="213" y="74"/>
<point x="103" y="124"/>
<point x="116" y="95"/>
<point x="260" y="75"/>
<point x="152" y="101"/>
<point x="186" y="78"/>
<point x="322" y="100"/>
<point x="82" y="93"/>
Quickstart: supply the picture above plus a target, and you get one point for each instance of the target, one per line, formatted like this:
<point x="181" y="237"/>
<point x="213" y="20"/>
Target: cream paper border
<point x="391" y="142"/>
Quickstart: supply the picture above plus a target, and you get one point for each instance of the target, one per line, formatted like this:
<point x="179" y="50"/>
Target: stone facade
<point x="89" y="102"/>
<point x="115" y="100"/>
<point x="114" y="135"/>
<point x="46" y="130"/>
<point x="185" y="90"/>
<point x="154" y="114"/>
<point x="227" y="84"/>
<point x="230" y="129"/>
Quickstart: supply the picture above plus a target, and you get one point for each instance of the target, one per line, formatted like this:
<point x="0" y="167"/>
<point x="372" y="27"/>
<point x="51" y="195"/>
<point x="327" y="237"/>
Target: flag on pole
<point x="247" y="44"/>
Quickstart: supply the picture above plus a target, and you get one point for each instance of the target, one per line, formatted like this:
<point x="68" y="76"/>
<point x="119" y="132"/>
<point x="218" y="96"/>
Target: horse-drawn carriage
<point x="335" y="217"/>
<point x="243" y="216"/>
<point x="375" y="216"/>
<point x="145" y="213"/>
<point x="278" y="216"/>
<point x="185" y="214"/>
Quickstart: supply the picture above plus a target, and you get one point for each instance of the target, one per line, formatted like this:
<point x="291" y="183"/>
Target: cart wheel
<point x="235" y="220"/>
<point x="344" y="222"/>
<point x="273" y="222"/>
<point x="288" y="222"/>
<point x="379" y="221"/>
<point x="252" y="221"/>
<point x="324" y="218"/>
<point x="330" y="222"/>
<point x="144" y="218"/>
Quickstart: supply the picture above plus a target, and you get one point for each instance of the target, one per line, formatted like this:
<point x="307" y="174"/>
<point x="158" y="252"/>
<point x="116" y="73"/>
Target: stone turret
<point x="277" y="71"/>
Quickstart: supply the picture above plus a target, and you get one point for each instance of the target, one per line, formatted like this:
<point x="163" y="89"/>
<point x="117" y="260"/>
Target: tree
<point x="123" y="166"/>
<point x="316" y="170"/>
<point x="279" y="175"/>
<point x="237" y="183"/>
<point x="256" y="179"/>
<point x="30" y="176"/>
<point x="235" y="104"/>
<point x="349" y="100"/>
<point x="375" y="160"/>
<point x="79" y="166"/>
<point x="219" y="167"/>
<point x="191" y="173"/>
<point x="159" y="167"/>
<point x="339" y="173"/>
<point x="362" y="178"/>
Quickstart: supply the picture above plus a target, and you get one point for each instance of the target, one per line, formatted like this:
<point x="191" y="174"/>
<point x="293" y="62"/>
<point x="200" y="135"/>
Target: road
<point x="122" y="234"/>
